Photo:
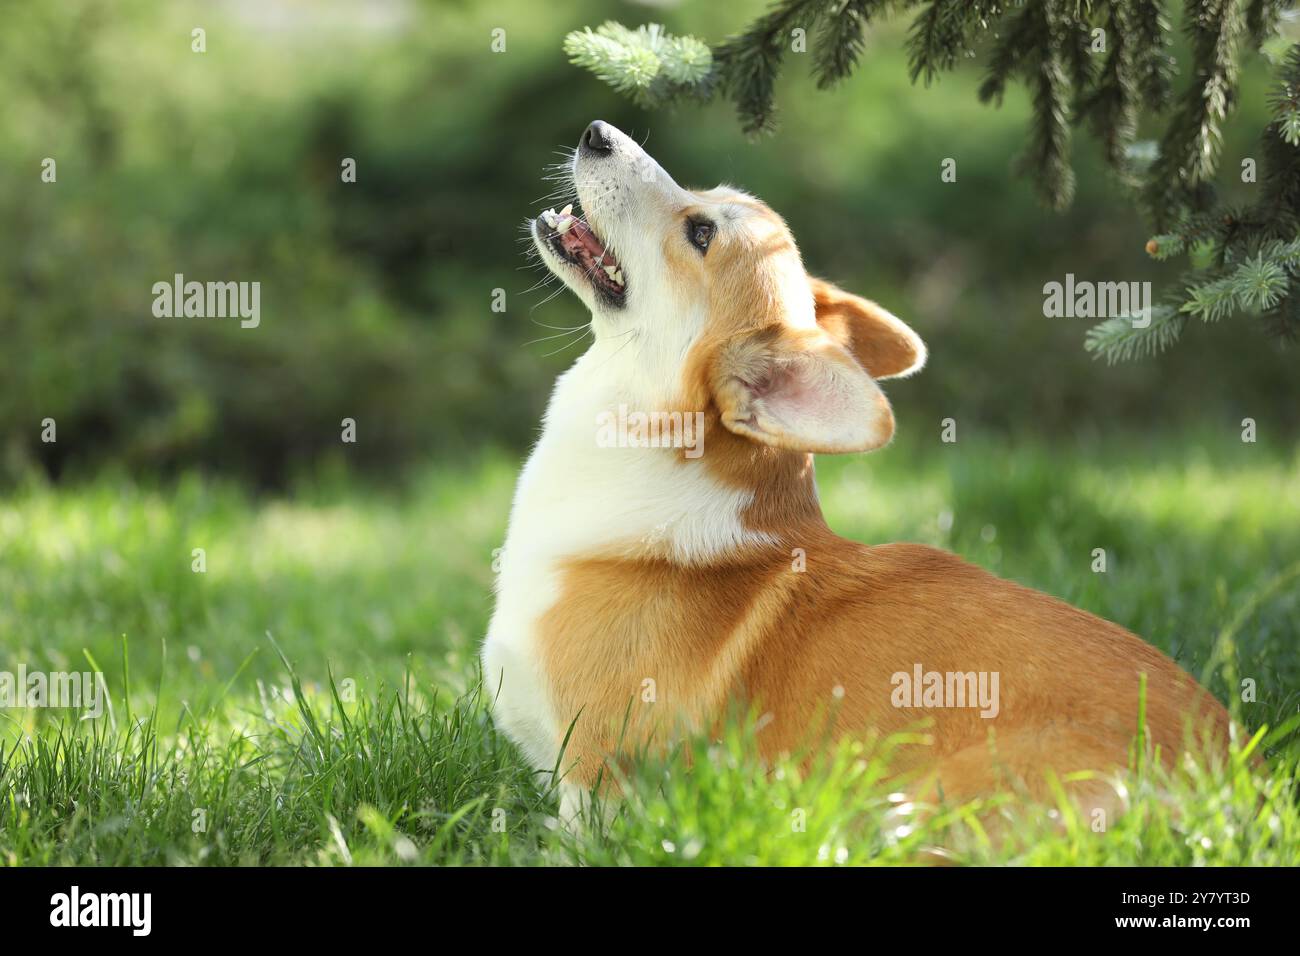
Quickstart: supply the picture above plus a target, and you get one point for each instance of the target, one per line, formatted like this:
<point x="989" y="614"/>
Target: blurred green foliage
<point x="377" y="295"/>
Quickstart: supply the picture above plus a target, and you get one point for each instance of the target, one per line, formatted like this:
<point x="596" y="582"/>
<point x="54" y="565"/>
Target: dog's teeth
<point x="549" y="218"/>
<point x="567" y="210"/>
<point x="565" y="224"/>
<point x="610" y="271"/>
<point x="618" y="276"/>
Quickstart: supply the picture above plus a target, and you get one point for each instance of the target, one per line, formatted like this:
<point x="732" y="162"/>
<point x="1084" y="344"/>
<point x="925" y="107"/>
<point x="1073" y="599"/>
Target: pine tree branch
<point x="1047" y="156"/>
<point x="841" y="39"/>
<point x="1118" y="340"/>
<point x="1262" y="19"/>
<point x="943" y="31"/>
<point x="1018" y="32"/>
<point x="1282" y="321"/>
<point x="1151" y="37"/>
<point x="1110" y="108"/>
<point x="1189" y="149"/>
<point x="647" y="64"/>
<point x="748" y="64"/>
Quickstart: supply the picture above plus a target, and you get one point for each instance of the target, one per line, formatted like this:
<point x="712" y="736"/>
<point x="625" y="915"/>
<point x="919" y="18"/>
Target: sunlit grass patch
<point x="373" y="743"/>
<point x="312" y="776"/>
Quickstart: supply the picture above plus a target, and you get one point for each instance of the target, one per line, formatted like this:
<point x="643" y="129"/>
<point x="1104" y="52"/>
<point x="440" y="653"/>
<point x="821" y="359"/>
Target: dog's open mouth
<point x="574" y="241"/>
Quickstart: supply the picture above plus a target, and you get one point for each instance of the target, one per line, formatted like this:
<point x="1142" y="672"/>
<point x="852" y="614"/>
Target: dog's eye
<point x="700" y="233"/>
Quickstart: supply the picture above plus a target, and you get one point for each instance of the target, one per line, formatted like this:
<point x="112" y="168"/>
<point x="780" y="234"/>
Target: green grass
<point x="368" y="741"/>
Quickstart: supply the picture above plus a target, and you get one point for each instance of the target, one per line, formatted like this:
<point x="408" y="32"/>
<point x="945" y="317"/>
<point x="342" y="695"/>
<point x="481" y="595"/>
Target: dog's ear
<point x="883" y="344"/>
<point x="798" y="389"/>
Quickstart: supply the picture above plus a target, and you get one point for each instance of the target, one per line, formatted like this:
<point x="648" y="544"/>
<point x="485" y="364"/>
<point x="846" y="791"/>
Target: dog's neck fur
<point x="576" y="499"/>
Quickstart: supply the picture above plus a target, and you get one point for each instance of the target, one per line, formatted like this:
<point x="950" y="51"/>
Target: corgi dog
<point x="647" y="584"/>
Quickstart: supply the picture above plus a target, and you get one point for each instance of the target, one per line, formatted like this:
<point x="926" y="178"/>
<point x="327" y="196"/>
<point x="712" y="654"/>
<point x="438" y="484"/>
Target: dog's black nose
<point x="598" y="138"/>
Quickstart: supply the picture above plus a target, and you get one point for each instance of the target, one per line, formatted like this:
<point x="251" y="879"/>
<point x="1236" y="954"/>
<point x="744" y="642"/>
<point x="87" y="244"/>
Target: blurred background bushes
<point x="376" y="296"/>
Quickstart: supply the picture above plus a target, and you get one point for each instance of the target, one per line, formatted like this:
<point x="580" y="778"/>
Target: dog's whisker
<point x="539" y="284"/>
<point x="557" y="291"/>
<point x="561" y="335"/>
<point x="617" y="351"/>
<point x="560" y="328"/>
<point x="566" y="345"/>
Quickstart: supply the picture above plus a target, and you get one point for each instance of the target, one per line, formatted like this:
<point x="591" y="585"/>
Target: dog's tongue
<point x="577" y="237"/>
<point x="580" y="238"/>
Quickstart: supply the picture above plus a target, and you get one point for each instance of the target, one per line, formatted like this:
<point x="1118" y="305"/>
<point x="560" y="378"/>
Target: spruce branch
<point x="1166" y="246"/>
<point x="1110" y="107"/>
<point x="1151" y="35"/>
<point x="647" y="64"/>
<point x="1119" y="340"/>
<point x="1282" y="321"/>
<point x="1285" y="98"/>
<point x="1211" y="301"/>
<point x="1260" y="282"/>
<point x="1014" y="39"/>
<point x="1189" y="149"/>
<point x="1262" y="19"/>
<point x="841" y="39"/>
<point x="748" y="64"/>
<point x="942" y="32"/>
<point x="1046" y="158"/>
